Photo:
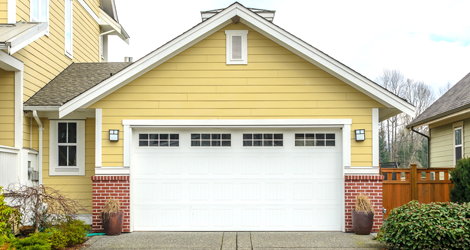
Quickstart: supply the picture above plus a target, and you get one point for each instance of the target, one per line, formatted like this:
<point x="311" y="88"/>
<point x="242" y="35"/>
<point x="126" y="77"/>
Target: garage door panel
<point x="236" y="188"/>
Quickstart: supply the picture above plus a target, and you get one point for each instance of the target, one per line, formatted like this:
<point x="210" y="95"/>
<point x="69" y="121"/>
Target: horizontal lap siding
<point x="3" y="11"/>
<point x="442" y="146"/>
<point x="45" y="58"/>
<point x="7" y="108"/>
<point x="75" y="187"/>
<point x="275" y="84"/>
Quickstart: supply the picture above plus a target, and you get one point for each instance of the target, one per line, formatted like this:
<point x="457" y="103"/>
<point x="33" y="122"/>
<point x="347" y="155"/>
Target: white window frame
<point x="455" y="126"/>
<point x="68" y="51"/>
<point x="54" y="168"/>
<point x="229" y="34"/>
<point x="32" y="10"/>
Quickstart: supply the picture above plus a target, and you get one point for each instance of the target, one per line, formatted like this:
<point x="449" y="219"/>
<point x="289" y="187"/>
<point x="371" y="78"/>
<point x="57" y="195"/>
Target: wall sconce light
<point x="113" y="135"/>
<point x="360" y="135"/>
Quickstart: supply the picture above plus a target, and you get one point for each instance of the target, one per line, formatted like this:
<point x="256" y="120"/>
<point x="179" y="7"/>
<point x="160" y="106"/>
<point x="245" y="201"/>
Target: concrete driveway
<point x="235" y="241"/>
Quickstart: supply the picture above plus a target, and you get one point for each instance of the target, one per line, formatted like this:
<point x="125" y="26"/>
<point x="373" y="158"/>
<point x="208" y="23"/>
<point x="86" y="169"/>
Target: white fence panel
<point x="8" y="162"/>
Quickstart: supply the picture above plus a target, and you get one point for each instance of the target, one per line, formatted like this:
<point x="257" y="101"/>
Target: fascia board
<point x="89" y="10"/>
<point x="105" y="19"/>
<point x="323" y="61"/>
<point x="147" y="63"/>
<point x="28" y="37"/>
<point x="259" y="24"/>
<point x="41" y="108"/>
<point x="238" y="123"/>
<point x="9" y="63"/>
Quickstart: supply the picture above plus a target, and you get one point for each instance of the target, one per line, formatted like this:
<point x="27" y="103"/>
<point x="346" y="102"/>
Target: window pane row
<point x="159" y="140"/>
<point x="263" y="140"/>
<point x="311" y="140"/>
<point x="211" y="140"/>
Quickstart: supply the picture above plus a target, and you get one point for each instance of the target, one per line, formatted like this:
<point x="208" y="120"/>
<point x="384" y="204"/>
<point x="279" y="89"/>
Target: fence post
<point x="414" y="178"/>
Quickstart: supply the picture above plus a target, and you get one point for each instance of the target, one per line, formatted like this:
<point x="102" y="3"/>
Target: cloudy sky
<point x="427" y="40"/>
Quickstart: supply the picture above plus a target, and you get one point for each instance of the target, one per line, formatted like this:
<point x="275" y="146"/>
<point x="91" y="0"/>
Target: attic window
<point x="236" y="48"/>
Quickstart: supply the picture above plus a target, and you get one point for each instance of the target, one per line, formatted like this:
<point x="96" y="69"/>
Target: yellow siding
<point x="76" y="187"/>
<point x="3" y="11"/>
<point x="276" y="84"/>
<point x="442" y="146"/>
<point x="7" y="108"/>
<point x="45" y="58"/>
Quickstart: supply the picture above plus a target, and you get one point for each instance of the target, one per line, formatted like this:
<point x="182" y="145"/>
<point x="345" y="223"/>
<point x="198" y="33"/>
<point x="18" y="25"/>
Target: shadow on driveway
<point x="235" y="241"/>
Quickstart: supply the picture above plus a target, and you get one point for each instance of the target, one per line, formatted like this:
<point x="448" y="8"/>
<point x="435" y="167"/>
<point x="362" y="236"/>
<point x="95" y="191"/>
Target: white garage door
<point x="236" y="179"/>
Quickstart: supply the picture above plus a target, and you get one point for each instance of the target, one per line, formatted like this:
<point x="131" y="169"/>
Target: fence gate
<point x="402" y="185"/>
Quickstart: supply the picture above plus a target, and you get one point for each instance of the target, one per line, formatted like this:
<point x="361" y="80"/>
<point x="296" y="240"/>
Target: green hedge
<point x="460" y="177"/>
<point x="427" y="226"/>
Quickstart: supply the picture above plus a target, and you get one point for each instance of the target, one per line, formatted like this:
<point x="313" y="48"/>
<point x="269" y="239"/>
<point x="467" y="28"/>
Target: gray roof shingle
<point x="73" y="81"/>
<point x="457" y="98"/>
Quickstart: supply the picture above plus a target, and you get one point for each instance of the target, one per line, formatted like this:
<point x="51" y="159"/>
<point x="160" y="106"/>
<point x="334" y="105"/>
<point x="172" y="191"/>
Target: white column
<point x="98" y="136"/>
<point x="127" y="145"/>
<point x="375" y="137"/>
<point x="11" y="15"/>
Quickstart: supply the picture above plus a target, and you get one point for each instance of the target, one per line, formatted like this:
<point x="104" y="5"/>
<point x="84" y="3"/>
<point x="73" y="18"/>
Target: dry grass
<point x="111" y="206"/>
<point x="363" y="204"/>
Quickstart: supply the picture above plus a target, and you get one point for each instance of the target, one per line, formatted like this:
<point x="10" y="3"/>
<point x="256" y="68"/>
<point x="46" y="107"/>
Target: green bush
<point x="56" y="238"/>
<point x="75" y="231"/>
<point x="8" y="216"/>
<point x="460" y="176"/>
<point x="427" y="226"/>
<point x="33" y="242"/>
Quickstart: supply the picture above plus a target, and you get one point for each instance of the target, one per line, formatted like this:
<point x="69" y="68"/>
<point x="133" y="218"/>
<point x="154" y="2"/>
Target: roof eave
<point x="261" y="25"/>
<point x="107" y="23"/>
<point x="442" y="116"/>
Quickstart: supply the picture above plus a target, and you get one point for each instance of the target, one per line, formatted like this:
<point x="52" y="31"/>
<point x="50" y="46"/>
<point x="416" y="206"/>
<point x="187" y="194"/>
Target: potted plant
<point x="112" y="217"/>
<point x="363" y="215"/>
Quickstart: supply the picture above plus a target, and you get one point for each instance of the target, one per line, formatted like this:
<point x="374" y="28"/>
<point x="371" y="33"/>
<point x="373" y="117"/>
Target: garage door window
<point x="159" y="140"/>
<point x="312" y="140"/>
<point x="263" y="140"/>
<point x="211" y="140"/>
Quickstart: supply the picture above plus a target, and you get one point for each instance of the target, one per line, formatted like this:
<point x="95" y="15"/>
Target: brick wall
<point x="371" y="185"/>
<point x="110" y="186"/>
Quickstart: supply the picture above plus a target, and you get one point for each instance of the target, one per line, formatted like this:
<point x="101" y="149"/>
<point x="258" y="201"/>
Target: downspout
<point x="429" y="145"/>
<point x="35" y="115"/>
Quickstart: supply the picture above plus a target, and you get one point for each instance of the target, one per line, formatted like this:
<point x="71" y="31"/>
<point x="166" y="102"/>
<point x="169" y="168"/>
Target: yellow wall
<point x="45" y="58"/>
<point x="7" y="108"/>
<point x="76" y="187"/>
<point x="276" y="84"/>
<point x="3" y="11"/>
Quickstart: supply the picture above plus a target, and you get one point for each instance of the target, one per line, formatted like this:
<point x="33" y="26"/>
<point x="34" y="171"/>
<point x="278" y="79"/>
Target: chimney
<point x="127" y="59"/>
<point x="267" y="14"/>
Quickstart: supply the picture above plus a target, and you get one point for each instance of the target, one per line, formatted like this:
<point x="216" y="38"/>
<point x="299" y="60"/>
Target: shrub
<point x="460" y="176"/>
<point x="33" y="242"/>
<point x="8" y="216"/>
<point x="427" y="226"/>
<point x="74" y="231"/>
<point x="56" y="238"/>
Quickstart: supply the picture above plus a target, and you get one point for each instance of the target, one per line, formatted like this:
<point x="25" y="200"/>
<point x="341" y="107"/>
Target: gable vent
<point x="267" y="14"/>
<point x="236" y="47"/>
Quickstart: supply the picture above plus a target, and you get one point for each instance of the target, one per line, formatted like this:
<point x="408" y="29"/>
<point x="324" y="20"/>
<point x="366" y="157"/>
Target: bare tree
<point x="444" y="89"/>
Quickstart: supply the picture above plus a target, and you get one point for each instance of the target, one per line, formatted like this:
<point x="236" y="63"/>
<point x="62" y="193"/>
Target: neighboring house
<point x="236" y="124"/>
<point x="38" y="40"/>
<point x="448" y="120"/>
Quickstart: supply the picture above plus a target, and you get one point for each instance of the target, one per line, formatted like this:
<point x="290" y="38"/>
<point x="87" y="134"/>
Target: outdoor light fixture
<point x="360" y="135"/>
<point x="113" y="135"/>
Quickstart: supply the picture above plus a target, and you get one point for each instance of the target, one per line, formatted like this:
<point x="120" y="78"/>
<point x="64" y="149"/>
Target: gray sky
<point x="427" y="40"/>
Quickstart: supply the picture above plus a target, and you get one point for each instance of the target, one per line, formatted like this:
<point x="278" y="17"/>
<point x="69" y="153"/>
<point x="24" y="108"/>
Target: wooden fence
<point x="402" y="185"/>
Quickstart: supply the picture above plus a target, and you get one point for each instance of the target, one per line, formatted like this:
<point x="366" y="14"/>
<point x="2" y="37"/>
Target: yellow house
<point x="38" y="40"/>
<point x="236" y="125"/>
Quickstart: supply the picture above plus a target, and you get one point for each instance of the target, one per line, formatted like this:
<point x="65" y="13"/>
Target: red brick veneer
<point x="110" y="186"/>
<point x="371" y="185"/>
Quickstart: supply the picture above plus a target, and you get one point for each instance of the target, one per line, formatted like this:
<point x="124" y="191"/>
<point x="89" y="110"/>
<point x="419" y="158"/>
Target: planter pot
<point x="362" y="222"/>
<point x="112" y="223"/>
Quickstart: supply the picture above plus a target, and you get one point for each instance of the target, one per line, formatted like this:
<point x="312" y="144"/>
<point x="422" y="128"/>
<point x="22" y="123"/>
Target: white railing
<point x="8" y="165"/>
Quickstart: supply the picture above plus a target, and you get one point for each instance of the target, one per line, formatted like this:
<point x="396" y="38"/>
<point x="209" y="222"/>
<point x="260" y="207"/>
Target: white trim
<point x="7" y="149"/>
<point x="241" y="122"/>
<point x="244" y="47"/>
<point x="40" y="128"/>
<point x="347" y="145"/>
<point x="361" y="171"/>
<point x="112" y="171"/>
<point x="53" y="145"/>
<point x="10" y="63"/>
<point x="89" y="10"/>
<point x="39" y="11"/>
<point x="261" y="25"/>
<point x="40" y="32"/>
<point x="11" y="5"/>
<point x="375" y="137"/>
<point x="18" y="109"/>
<point x="455" y="126"/>
<point x="68" y="53"/>
<point x="107" y="23"/>
<point x="98" y="135"/>
<point x="42" y="108"/>
<point x="127" y="145"/>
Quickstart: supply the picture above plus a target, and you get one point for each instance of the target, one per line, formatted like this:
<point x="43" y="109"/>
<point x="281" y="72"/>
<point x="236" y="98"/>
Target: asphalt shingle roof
<point x="73" y="81"/>
<point x="456" y="98"/>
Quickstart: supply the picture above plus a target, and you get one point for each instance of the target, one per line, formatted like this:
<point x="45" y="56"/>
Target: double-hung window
<point x="458" y="142"/>
<point x="67" y="147"/>
<point x="39" y="12"/>
<point x="69" y="28"/>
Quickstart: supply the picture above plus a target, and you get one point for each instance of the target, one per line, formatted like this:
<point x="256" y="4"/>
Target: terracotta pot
<point x="362" y="222"/>
<point x="112" y="223"/>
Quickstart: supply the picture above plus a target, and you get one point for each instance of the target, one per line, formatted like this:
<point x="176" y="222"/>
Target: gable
<point x="392" y="103"/>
